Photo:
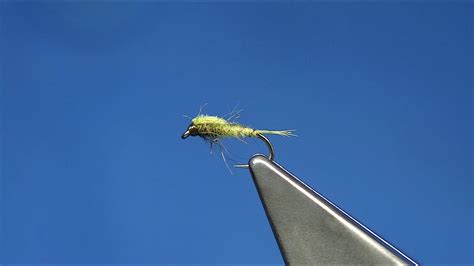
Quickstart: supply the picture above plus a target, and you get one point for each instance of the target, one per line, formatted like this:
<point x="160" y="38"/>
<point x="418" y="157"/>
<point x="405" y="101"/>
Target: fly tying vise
<point x="214" y="128"/>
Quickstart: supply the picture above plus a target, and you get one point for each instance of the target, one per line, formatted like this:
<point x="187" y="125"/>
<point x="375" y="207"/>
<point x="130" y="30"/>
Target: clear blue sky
<point x="93" y="169"/>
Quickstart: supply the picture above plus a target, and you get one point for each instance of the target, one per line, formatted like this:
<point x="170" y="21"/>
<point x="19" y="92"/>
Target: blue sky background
<point x="93" y="169"/>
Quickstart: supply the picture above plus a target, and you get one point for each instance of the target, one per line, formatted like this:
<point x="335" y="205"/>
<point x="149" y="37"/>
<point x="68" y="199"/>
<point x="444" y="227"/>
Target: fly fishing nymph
<point x="214" y="128"/>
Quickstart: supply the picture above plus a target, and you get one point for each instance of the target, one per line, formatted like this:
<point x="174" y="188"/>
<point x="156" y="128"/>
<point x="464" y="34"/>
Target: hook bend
<point x="271" y="151"/>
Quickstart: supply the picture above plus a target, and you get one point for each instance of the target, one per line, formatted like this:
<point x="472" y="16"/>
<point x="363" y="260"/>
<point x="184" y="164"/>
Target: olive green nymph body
<point x="213" y="127"/>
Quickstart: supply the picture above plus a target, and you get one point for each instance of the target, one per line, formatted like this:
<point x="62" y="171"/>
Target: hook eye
<point x="191" y="131"/>
<point x="185" y="134"/>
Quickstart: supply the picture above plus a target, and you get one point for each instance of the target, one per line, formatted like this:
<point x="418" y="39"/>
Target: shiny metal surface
<point x="271" y="151"/>
<point x="310" y="229"/>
